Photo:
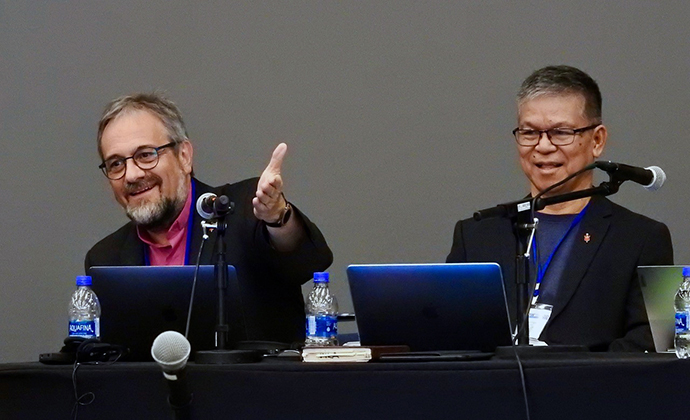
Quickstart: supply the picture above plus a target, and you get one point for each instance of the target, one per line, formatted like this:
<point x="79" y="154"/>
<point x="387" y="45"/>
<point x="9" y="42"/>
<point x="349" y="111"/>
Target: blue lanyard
<point x="190" y="225"/>
<point x="541" y="270"/>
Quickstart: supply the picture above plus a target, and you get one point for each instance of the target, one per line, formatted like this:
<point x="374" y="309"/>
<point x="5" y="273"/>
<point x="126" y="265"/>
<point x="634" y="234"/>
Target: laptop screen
<point x="659" y="286"/>
<point x="430" y="306"/>
<point x="138" y="303"/>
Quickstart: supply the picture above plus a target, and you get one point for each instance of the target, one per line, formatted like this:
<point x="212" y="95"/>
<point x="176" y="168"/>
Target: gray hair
<point x="559" y="80"/>
<point x="154" y="102"/>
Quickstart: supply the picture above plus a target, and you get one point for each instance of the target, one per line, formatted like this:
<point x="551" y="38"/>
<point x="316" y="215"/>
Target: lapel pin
<point x="587" y="238"/>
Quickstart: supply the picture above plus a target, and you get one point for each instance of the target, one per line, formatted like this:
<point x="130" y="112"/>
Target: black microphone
<point x="651" y="178"/>
<point x="210" y="206"/>
<point x="171" y="351"/>
<point x="504" y="210"/>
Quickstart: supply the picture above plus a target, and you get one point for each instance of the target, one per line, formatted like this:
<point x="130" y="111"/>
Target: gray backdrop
<point x="397" y="116"/>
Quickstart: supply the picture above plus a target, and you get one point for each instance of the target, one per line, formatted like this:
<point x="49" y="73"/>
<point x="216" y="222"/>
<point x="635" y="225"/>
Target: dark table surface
<point x="560" y="386"/>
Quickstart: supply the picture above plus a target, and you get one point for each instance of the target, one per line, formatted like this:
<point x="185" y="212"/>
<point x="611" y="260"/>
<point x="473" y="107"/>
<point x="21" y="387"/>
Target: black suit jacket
<point x="269" y="281"/>
<point x="599" y="303"/>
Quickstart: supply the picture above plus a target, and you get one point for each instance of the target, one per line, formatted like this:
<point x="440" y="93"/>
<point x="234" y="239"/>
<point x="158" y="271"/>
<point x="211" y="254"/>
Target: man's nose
<point x="132" y="171"/>
<point x="544" y="142"/>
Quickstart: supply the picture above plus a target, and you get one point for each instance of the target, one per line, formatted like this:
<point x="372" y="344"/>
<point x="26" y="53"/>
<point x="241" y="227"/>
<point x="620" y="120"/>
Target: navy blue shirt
<point x="550" y="232"/>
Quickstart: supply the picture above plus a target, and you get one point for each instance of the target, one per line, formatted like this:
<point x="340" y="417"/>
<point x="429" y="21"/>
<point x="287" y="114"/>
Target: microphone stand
<point x="221" y="355"/>
<point x="520" y="212"/>
<point x="525" y="232"/>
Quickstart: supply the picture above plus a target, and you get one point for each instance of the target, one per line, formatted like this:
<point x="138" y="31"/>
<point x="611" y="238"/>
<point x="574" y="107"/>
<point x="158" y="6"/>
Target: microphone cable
<point x="533" y="202"/>
<point x="521" y="370"/>
<point x="88" y="397"/>
<point x="531" y="291"/>
<point x="556" y="185"/>
<point x="204" y="238"/>
<point x="80" y="400"/>
<point x="196" y="273"/>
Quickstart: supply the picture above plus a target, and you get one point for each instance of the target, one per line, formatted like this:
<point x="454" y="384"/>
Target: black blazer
<point x="599" y="303"/>
<point x="270" y="281"/>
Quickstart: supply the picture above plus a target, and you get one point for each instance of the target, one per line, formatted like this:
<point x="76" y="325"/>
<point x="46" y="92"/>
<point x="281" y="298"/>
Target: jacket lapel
<point x="132" y="250"/>
<point x="589" y="235"/>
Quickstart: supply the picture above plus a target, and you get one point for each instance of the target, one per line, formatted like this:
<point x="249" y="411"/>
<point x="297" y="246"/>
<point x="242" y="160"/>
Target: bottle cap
<point x="686" y="271"/>
<point x="83" y="280"/>
<point x="321" y="277"/>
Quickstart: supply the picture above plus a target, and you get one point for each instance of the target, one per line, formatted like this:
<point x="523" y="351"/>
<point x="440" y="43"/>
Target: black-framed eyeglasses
<point x="145" y="158"/>
<point x="557" y="136"/>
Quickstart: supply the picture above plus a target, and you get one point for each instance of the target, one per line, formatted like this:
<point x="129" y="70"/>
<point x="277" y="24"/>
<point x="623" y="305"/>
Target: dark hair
<point x="155" y="102"/>
<point x="556" y="80"/>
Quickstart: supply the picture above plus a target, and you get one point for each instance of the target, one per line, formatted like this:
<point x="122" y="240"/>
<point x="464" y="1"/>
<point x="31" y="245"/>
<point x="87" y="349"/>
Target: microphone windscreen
<point x="171" y="350"/>
<point x="204" y="210"/>
<point x="659" y="178"/>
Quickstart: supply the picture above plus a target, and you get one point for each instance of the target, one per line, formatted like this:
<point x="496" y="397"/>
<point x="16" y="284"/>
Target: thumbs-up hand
<point x="269" y="201"/>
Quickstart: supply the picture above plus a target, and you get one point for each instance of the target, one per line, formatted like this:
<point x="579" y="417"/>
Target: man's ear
<point x="599" y="138"/>
<point x="185" y="154"/>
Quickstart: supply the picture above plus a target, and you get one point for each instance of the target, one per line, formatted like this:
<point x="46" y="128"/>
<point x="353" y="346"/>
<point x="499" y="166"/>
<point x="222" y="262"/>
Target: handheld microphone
<point x="651" y="178"/>
<point x="171" y="351"/>
<point x="210" y="206"/>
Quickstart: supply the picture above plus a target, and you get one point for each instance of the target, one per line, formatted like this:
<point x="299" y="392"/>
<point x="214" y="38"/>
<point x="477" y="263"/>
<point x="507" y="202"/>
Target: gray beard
<point x="160" y="214"/>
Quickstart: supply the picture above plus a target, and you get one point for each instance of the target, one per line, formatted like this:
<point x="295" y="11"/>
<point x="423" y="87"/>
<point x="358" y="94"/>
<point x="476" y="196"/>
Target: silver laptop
<point x="659" y="285"/>
<point x="430" y="306"/>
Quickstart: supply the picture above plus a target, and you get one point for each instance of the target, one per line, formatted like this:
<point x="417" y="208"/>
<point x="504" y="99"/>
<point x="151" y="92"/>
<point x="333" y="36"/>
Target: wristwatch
<point x="284" y="215"/>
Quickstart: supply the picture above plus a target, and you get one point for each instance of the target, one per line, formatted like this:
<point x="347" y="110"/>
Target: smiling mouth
<point x="141" y="190"/>
<point x="548" y="165"/>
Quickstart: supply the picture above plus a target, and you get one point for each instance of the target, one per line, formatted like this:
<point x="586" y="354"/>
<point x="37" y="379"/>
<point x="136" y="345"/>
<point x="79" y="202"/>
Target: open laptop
<point x="138" y="303"/>
<point x="659" y="285"/>
<point x="430" y="307"/>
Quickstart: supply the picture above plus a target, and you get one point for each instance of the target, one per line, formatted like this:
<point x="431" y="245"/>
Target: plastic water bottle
<point x="84" y="311"/>
<point x="322" y="314"/>
<point x="682" y="304"/>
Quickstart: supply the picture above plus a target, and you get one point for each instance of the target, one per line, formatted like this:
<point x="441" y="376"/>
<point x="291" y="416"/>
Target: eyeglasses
<point x="145" y="158"/>
<point x="557" y="136"/>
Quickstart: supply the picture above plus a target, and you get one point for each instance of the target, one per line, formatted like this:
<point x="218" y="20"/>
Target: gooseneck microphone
<point x="171" y="351"/>
<point x="651" y="178"/>
<point x="210" y="206"/>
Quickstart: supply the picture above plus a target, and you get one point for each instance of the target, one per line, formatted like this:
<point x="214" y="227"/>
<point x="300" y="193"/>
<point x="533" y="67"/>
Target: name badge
<point x="539" y="315"/>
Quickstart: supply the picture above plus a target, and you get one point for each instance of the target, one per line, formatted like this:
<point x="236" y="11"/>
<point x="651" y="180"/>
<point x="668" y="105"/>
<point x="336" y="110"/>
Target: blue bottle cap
<point x="83" y="280"/>
<point x="686" y="271"/>
<point x="321" y="277"/>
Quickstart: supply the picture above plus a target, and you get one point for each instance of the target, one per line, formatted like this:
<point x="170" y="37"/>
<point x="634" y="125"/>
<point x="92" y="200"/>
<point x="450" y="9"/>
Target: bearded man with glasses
<point x="586" y="251"/>
<point x="147" y="158"/>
